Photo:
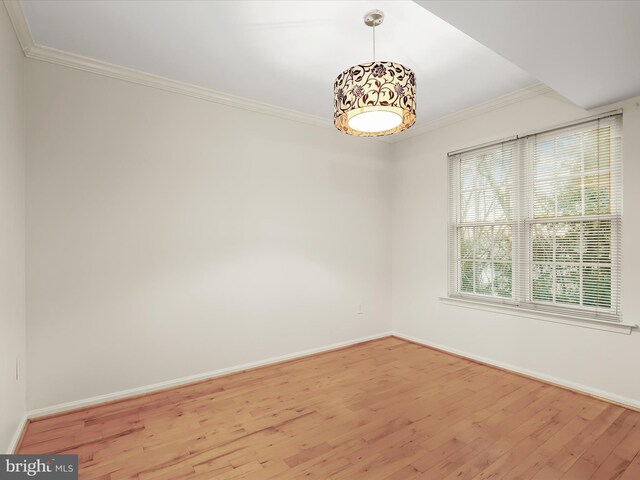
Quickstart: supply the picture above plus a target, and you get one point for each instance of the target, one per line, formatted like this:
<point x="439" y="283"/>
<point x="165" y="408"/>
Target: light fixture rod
<point x="373" y="19"/>
<point x="374" y="43"/>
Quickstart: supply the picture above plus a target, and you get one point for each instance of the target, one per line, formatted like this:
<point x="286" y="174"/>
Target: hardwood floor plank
<point x="633" y="470"/>
<point x="597" y="453"/>
<point x="386" y="409"/>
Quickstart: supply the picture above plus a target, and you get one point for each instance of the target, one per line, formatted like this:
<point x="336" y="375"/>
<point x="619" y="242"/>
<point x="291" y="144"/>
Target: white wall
<point x="599" y="360"/>
<point x="12" y="231"/>
<point x="169" y="236"/>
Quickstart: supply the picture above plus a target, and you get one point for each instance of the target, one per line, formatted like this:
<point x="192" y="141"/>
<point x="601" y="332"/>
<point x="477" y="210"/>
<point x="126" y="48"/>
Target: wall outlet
<point x="18" y="368"/>
<point x="360" y="311"/>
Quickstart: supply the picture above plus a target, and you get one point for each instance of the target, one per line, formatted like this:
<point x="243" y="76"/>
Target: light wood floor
<point x="387" y="409"/>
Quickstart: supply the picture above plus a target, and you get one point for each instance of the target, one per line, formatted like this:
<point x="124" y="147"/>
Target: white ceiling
<point x="588" y="51"/>
<point x="283" y="53"/>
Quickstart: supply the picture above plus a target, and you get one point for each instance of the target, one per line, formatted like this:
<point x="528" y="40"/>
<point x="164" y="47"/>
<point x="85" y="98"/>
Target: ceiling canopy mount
<point x="374" y="18"/>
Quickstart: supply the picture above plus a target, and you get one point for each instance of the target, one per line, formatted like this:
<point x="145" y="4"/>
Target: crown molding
<point x="479" y="109"/>
<point x="72" y="60"/>
<point x="87" y="64"/>
<point x="98" y="67"/>
<point x="20" y="25"/>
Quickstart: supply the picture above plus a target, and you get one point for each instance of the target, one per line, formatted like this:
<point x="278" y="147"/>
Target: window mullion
<point x="520" y="241"/>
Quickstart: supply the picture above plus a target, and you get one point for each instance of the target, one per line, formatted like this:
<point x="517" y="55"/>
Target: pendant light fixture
<point x="376" y="98"/>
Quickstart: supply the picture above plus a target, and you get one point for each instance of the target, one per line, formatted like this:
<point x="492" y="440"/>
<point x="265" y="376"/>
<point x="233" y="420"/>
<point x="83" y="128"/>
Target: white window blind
<point x="535" y="222"/>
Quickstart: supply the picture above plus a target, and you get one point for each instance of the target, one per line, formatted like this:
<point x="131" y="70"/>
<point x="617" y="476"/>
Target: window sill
<point x="617" y="327"/>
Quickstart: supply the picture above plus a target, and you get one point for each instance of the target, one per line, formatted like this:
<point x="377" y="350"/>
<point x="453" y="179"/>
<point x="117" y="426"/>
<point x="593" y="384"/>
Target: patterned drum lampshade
<point x="375" y="99"/>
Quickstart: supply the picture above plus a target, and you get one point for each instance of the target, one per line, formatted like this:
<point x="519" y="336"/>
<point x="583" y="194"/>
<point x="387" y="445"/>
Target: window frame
<point x="522" y="224"/>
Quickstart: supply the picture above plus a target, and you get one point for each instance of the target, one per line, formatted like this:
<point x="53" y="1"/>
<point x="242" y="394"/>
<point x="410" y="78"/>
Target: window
<point x="535" y="221"/>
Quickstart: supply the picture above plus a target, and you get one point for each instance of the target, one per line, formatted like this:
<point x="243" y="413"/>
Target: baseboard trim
<point x="531" y="374"/>
<point x="62" y="408"/>
<point x="16" y="441"/>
